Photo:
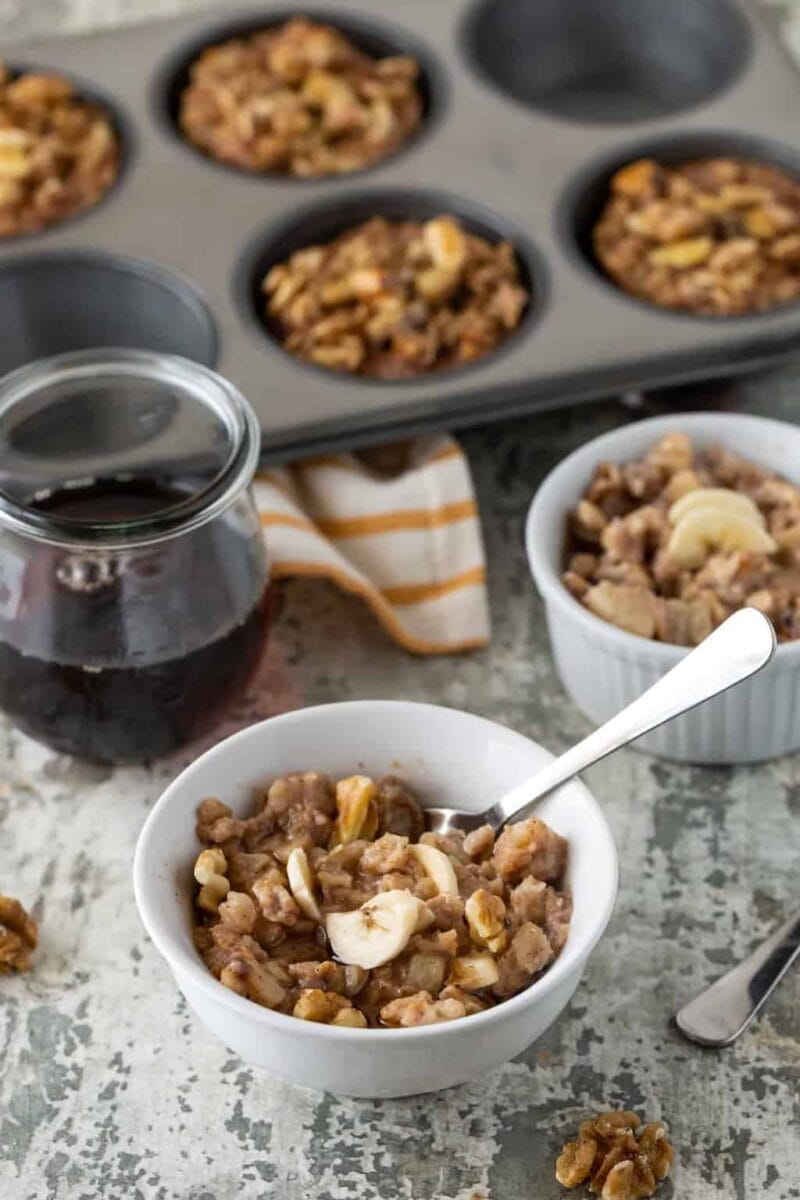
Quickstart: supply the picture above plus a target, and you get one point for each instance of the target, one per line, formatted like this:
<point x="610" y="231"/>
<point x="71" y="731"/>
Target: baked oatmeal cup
<point x="395" y="299"/>
<point x="299" y="99"/>
<point x="712" y="236"/>
<point x="331" y="903"/>
<point x="59" y="153"/>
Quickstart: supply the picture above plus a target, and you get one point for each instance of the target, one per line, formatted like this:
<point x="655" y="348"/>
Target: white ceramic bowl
<point x="604" y="668"/>
<point x="446" y="757"/>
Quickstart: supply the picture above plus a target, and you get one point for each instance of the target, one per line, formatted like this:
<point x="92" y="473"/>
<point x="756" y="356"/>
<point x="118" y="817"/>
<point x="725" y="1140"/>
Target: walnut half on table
<point x="19" y="935"/>
<point x="617" y="1157"/>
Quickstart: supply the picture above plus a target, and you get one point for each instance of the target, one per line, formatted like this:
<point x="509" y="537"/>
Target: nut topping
<point x="717" y="236"/>
<point x="395" y="299"/>
<point x="299" y="99"/>
<point x="19" y="935"/>
<point x="618" y="1157"/>
<point x="58" y="153"/>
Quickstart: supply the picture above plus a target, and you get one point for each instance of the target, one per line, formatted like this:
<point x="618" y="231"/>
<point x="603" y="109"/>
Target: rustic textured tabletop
<point x="111" y="1090"/>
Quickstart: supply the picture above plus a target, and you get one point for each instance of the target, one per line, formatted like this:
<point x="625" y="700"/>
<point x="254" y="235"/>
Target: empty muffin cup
<point x="608" y="60"/>
<point x="58" y="302"/>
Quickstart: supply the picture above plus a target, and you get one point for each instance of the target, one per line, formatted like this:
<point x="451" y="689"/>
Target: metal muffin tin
<point x="530" y="107"/>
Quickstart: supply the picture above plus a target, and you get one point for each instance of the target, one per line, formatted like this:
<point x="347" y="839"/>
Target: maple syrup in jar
<point x="133" y="576"/>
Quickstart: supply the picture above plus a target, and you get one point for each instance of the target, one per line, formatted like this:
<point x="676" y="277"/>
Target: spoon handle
<point x="735" y="650"/>
<point x="719" y="1014"/>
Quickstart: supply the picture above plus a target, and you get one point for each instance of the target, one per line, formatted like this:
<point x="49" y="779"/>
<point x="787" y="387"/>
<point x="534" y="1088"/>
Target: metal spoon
<point x="735" y="650"/>
<point x="719" y="1014"/>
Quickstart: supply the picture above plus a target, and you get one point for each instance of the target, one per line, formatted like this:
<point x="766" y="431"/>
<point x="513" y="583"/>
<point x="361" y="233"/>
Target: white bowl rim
<point x="189" y="965"/>
<point x="548" y="580"/>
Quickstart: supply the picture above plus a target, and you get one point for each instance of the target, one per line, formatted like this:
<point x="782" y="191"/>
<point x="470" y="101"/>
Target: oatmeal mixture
<point x="19" y="935"/>
<point x="395" y="299"/>
<point x="58" y="153"/>
<point x="617" y="1157"/>
<point x="670" y="545"/>
<point x="333" y="904"/>
<point x="717" y="236"/>
<point x="299" y="99"/>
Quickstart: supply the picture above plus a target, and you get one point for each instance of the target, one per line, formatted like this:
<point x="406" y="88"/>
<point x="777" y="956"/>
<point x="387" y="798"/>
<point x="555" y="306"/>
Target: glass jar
<point x="133" y="602"/>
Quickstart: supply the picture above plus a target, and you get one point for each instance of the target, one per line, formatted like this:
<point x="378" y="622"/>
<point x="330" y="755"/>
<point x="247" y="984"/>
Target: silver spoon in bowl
<point x="735" y="650"/>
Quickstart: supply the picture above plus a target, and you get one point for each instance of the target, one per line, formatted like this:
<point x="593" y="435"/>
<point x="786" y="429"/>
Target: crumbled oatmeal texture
<point x="58" y="153"/>
<point x="18" y="936"/>
<point x="462" y="923"/>
<point x="299" y="99"/>
<point x="395" y="299"/>
<point x="717" y="236"/>
<point x="670" y="545"/>
<point x="617" y="1156"/>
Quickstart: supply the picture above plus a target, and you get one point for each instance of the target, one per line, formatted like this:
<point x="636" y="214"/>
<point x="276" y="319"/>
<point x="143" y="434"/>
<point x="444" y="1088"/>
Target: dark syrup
<point x="133" y="660"/>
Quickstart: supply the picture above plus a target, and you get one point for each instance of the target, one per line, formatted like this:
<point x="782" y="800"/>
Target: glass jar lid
<point x="112" y="417"/>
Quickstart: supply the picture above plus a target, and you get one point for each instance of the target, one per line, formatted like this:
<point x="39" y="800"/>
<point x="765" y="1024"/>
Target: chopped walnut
<point x="617" y="1157"/>
<point x="276" y="902"/>
<point x="665" y="571"/>
<point x="19" y="935"/>
<point x="530" y="847"/>
<point x="715" y="236"/>
<point x="59" y="153"/>
<point x="366" y="303"/>
<point x="299" y="99"/>
<point x="529" y="953"/>
<point x="421" y="1009"/>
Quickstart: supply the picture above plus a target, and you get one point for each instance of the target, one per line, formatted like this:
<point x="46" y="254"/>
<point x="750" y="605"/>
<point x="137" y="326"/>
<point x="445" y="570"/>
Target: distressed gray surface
<point x="109" y="1088"/>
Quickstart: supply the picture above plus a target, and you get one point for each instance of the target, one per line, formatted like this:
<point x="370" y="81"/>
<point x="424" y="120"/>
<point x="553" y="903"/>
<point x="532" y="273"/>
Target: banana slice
<point x="721" y="500"/>
<point x="301" y="883"/>
<point x="376" y="932"/>
<point x="357" y="811"/>
<point x="474" y="971"/>
<point x="437" y="866"/>
<point x="704" y="530"/>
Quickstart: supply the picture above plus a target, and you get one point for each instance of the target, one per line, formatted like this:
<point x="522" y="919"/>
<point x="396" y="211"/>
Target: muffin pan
<point x="529" y="109"/>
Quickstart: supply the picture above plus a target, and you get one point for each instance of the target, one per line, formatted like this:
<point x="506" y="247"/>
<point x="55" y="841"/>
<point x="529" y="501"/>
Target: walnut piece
<point x="617" y="1156"/>
<point x="19" y="935"/>
<point x="374" y="301"/>
<point x="299" y="99"/>
<point x="59" y="153"/>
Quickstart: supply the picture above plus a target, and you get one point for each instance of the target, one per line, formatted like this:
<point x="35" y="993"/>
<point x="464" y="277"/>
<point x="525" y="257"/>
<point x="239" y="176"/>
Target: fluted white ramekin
<point x="604" y="668"/>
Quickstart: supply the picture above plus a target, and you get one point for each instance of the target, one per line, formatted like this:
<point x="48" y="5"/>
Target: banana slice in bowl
<point x="720" y="499"/>
<point x="376" y="932"/>
<point x="702" y="531"/>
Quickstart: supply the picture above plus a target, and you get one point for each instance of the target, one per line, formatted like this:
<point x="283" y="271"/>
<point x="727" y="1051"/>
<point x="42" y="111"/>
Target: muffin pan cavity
<point x="586" y="195"/>
<point x="374" y="36"/>
<point x="608" y="60"/>
<point x="323" y="222"/>
<point x="529" y="107"/>
<point x="51" y="303"/>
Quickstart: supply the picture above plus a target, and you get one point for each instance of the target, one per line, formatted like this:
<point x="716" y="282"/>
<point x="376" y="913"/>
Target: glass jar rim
<point x="195" y="381"/>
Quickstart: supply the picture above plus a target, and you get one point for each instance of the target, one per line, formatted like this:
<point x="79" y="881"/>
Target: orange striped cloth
<point x="398" y="526"/>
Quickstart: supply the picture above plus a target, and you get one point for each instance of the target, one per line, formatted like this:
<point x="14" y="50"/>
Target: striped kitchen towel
<point x="398" y="526"/>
